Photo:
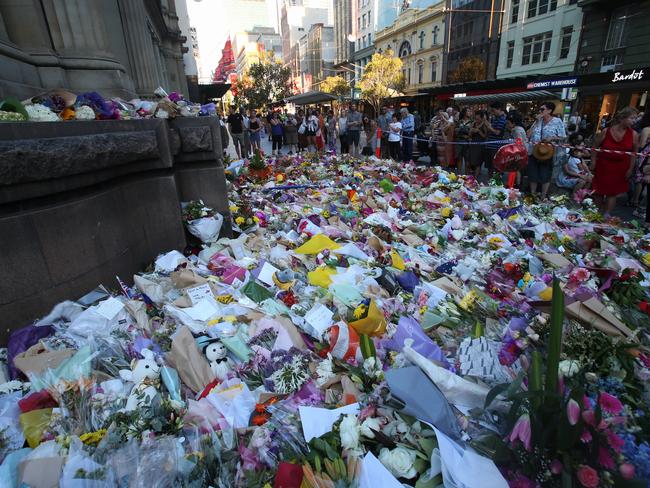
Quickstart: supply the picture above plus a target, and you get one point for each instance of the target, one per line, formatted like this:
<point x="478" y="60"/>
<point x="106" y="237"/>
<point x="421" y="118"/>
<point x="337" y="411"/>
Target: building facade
<point x="416" y="37"/>
<point x="123" y="48"/>
<point x="252" y="46"/>
<point x="614" y="47"/>
<point x="539" y="37"/>
<point x="473" y="31"/>
<point x="321" y="51"/>
<point x="344" y="36"/>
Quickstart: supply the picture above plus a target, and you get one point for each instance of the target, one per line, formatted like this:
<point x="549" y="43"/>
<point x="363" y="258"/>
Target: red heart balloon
<point x="511" y="157"/>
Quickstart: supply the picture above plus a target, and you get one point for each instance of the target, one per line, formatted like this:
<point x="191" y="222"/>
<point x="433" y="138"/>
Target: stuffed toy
<point x="217" y="355"/>
<point x="145" y="375"/>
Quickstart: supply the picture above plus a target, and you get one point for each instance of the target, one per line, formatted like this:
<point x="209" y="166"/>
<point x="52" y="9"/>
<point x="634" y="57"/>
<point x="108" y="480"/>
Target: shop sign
<point x="563" y="83"/>
<point x="460" y="95"/>
<point x="634" y="75"/>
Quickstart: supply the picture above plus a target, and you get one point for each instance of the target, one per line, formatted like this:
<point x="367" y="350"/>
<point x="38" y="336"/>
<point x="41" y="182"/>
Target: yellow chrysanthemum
<point x="646" y="259"/>
<point x="233" y="208"/>
<point x="92" y="437"/>
<point x="468" y="301"/>
<point x="240" y="220"/>
<point x="360" y="311"/>
<point x="256" y="219"/>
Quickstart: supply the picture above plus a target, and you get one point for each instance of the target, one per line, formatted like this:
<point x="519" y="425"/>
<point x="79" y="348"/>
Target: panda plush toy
<point x="217" y="355"/>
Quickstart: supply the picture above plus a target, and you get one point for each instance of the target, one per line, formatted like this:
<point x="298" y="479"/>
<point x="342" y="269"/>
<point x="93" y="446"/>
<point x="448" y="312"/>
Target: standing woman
<point x="478" y="135"/>
<point x="255" y="128"/>
<point x="312" y="128"/>
<point x="612" y="171"/>
<point x="370" y="128"/>
<point x="291" y="133"/>
<point x="547" y="129"/>
<point x="301" y="122"/>
<point x="343" y="131"/>
<point x="462" y="136"/>
<point x="394" y="137"/>
<point x="515" y="130"/>
<point x="331" y="131"/>
<point x="276" y="133"/>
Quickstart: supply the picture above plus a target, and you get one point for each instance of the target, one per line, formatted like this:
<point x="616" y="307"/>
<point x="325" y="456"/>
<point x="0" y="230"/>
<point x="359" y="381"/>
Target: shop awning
<point x="213" y="90"/>
<point x="310" y="97"/>
<point x="507" y="97"/>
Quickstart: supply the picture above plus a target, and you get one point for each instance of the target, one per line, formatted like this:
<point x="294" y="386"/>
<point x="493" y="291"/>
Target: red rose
<point x="588" y="477"/>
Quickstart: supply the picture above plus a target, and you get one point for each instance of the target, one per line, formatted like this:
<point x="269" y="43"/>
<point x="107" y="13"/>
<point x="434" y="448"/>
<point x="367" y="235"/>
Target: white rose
<point x="349" y="430"/>
<point x="369" y="425"/>
<point x="569" y="367"/>
<point x="399" y="462"/>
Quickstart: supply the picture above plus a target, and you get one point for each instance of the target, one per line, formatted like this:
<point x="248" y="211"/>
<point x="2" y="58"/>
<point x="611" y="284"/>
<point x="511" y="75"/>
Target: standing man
<point x="343" y="131"/>
<point x="408" y="132"/>
<point x="496" y="132"/>
<point x="236" y="128"/>
<point x="247" y="132"/>
<point x="384" y="121"/>
<point x="354" y="129"/>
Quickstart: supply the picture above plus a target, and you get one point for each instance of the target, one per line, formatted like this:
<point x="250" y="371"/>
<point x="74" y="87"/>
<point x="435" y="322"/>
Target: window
<point x="369" y="39"/>
<point x="565" y="42"/>
<point x="421" y="36"/>
<point x="434" y="39"/>
<point x="540" y="7"/>
<point x="434" y="71"/>
<point x="611" y="62"/>
<point x="420" y="72"/>
<point x="616" y="36"/>
<point x="369" y="23"/>
<point x="363" y="21"/>
<point x="514" y="15"/>
<point x="358" y="23"/>
<point x="358" y="44"/>
<point x="405" y="49"/>
<point x="364" y="41"/>
<point x="536" y="48"/>
<point x="511" y="54"/>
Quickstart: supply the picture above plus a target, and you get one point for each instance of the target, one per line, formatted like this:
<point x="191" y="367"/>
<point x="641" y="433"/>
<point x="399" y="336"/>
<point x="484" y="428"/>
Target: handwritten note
<point x="318" y="320"/>
<point x="198" y="293"/>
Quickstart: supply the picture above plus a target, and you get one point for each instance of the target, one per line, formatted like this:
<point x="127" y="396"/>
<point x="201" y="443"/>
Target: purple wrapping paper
<point x="409" y="328"/>
<point x="21" y="340"/>
<point x="408" y="281"/>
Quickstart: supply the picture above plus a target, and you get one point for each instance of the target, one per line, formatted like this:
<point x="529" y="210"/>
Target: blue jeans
<point x="407" y="146"/>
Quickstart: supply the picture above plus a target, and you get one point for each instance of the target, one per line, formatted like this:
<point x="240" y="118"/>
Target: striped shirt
<point x="498" y="124"/>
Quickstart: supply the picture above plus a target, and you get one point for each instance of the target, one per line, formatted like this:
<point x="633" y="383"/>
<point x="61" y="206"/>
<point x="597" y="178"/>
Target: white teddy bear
<point x="145" y="374"/>
<point x="217" y="355"/>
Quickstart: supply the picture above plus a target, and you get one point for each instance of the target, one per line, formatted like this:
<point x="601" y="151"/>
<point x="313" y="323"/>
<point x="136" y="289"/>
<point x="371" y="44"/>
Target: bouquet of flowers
<point x="202" y="221"/>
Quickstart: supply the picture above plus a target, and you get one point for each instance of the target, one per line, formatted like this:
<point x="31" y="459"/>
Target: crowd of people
<point x="467" y="141"/>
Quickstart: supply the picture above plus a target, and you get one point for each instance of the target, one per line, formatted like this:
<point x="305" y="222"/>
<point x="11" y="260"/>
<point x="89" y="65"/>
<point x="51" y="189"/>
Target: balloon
<point x="511" y="157"/>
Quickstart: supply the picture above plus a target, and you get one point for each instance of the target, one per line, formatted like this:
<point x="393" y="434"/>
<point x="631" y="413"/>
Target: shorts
<point x="238" y="139"/>
<point x="539" y="171"/>
<point x="255" y="137"/>
<point x="354" y="136"/>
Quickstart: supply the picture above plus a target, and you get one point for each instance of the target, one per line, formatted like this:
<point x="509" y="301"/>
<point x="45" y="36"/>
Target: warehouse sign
<point x="562" y="83"/>
<point x="634" y="75"/>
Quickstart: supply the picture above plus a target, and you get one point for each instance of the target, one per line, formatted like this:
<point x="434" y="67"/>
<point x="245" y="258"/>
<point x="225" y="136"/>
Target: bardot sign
<point x="563" y="83"/>
<point x="627" y="76"/>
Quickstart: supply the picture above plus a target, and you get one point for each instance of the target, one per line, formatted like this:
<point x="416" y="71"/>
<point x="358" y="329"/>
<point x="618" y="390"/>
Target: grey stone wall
<point x="119" y="48"/>
<point x="82" y="202"/>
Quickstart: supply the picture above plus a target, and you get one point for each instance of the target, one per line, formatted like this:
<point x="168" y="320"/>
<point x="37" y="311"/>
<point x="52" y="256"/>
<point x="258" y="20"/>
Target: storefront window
<point x="607" y="110"/>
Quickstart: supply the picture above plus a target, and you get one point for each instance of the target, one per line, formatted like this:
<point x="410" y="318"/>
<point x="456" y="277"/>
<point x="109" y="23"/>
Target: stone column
<point x="25" y="25"/>
<point x="140" y="46"/>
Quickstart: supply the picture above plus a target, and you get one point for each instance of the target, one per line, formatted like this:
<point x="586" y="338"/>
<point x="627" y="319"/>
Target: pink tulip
<point x="522" y="431"/>
<point x="627" y="471"/>
<point x="573" y="411"/>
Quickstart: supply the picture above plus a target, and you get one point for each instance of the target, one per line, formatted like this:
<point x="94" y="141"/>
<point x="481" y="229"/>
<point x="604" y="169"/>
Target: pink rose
<point x="588" y="477"/>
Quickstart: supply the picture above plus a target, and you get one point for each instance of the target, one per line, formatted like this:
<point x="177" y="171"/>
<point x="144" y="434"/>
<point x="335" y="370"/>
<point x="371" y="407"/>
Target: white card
<point x="198" y="293"/>
<point x="109" y="308"/>
<point x="375" y="475"/>
<point x="266" y="274"/>
<point x="318" y="421"/>
<point x="238" y="251"/>
<point x="319" y="318"/>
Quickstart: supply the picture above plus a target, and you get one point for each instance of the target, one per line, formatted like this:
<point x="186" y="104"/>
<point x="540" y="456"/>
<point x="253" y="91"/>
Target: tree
<point x="381" y="78"/>
<point x="469" y="69"/>
<point x="266" y="81"/>
<point x="335" y="85"/>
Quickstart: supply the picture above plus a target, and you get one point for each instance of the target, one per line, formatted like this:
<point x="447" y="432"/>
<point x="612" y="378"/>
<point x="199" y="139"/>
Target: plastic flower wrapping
<point x="365" y="324"/>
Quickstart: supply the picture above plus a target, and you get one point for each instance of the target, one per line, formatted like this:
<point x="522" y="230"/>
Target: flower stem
<point x="555" y="338"/>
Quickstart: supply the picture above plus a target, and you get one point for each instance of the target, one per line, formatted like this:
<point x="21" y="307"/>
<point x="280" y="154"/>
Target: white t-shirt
<point x="395" y="136"/>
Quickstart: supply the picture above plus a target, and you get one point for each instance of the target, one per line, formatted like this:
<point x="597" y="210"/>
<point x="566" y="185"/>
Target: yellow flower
<point x="256" y="219"/>
<point x="240" y="220"/>
<point x="646" y="259"/>
<point x="445" y="212"/>
<point x="93" y="437"/>
<point x="326" y="214"/>
<point x="360" y="311"/>
<point x="452" y="177"/>
<point x="468" y="301"/>
<point x="233" y="208"/>
<point x="527" y="277"/>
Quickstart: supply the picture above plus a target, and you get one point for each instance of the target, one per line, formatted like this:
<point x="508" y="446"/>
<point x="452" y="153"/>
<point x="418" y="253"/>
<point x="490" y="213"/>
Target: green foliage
<point x="335" y="85"/>
<point x="469" y="69"/>
<point x="267" y="81"/>
<point x="381" y="78"/>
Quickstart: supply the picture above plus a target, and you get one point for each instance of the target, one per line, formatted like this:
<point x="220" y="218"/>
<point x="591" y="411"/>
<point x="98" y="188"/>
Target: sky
<point x="214" y="20"/>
